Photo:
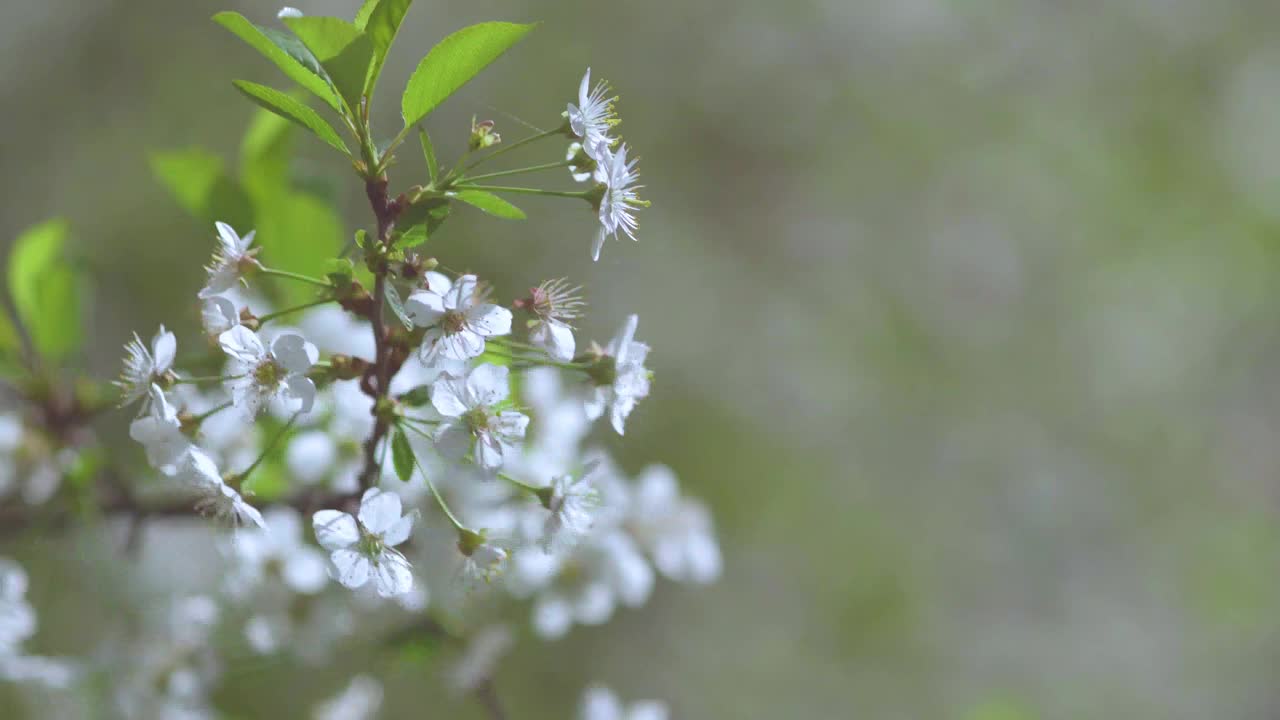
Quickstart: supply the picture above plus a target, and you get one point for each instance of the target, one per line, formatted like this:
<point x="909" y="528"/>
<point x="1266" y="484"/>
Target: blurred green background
<point x="964" y="318"/>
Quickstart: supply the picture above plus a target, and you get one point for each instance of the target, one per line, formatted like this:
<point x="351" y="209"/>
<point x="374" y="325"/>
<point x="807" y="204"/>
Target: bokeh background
<point x="964" y="319"/>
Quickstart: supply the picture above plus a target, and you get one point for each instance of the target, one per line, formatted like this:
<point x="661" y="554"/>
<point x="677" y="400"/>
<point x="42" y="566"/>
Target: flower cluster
<point x="390" y="427"/>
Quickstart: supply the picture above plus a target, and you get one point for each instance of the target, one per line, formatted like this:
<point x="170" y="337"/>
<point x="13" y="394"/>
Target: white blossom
<point x="600" y="703"/>
<point x="593" y="116"/>
<point x="160" y="433"/>
<point x="218" y="315"/>
<point x="258" y="375"/>
<point x="675" y="531"/>
<point x="457" y="318"/>
<point x="289" y="12"/>
<point x="214" y="497"/>
<point x="620" y="200"/>
<point x="230" y="259"/>
<point x="571" y="503"/>
<point x="473" y="421"/>
<point x="360" y="700"/>
<point x="142" y="367"/>
<point x="359" y="548"/>
<point x="624" y="380"/>
<point x="484" y="561"/>
<point x="553" y="304"/>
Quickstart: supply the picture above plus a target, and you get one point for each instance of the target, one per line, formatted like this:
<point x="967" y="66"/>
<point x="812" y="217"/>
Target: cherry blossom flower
<point x="142" y="367"/>
<point x="620" y="376"/>
<point x="593" y="116"/>
<point x="366" y="546"/>
<point x="620" y="200"/>
<point x="214" y="497"/>
<point x="553" y="304"/>
<point x="160" y="433"/>
<point x="257" y="375"/>
<point x="218" y="315"/>
<point x="457" y="319"/>
<point x="473" y="422"/>
<point x="572" y="500"/>
<point x="231" y="259"/>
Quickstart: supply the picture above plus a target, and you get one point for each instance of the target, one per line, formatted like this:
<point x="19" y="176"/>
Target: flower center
<point x="477" y="420"/>
<point x="605" y="371"/>
<point x="267" y="374"/>
<point x="453" y="321"/>
<point x="370" y="545"/>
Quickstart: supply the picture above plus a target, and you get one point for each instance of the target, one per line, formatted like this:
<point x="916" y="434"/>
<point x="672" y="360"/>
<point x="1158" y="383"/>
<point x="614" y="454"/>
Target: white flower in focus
<point x="289" y="12"/>
<point x="218" y="315"/>
<point x="361" y="700"/>
<point x="259" y="375"/>
<point x="457" y="319"/>
<point x="214" y="497"/>
<point x="600" y="703"/>
<point x="160" y="433"/>
<point x="229" y="260"/>
<point x="619" y="201"/>
<point x="593" y="117"/>
<point x="553" y="304"/>
<point x="620" y="376"/>
<point x="360" y="548"/>
<point x="572" y="501"/>
<point x="143" y="367"/>
<point x="472" y="421"/>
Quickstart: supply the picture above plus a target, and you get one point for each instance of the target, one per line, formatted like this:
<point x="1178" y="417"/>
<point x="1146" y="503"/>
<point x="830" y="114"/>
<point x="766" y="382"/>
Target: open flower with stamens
<point x="218" y="315"/>
<point x="142" y="367"/>
<point x="472" y="420"/>
<point x="619" y="202"/>
<point x="553" y="303"/>
<point x="571" y="501"/>
<point x="258" y="375"/>
<point x="620" y="377"/>
<point x="593" y="116"/>
<point x="230" y="260"/>
<point x="457" y="319"/>
<point x="214" y="496"/>
<point x="160" y="432"/>
<point x="365" y="545"/>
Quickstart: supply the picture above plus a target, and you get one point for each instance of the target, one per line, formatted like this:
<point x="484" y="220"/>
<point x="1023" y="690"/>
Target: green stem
<point x="294" y="276"/>
<point x="513" y="146"/>
<point x="211" y="412"/>
<point x="267" y="450"/>
<point x="517" y="171"/>
<point x="523" y="191"/>
<point x="204" y="379"/>
<point x="272" y="316"/>
<point x="521" y="485"/>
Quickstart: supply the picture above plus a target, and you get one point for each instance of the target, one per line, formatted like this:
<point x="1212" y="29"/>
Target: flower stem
<point x="279" y="313"/>
<point x="241" y="477"/>
<point x="294" y="276"/>
<point x="204" y="379"/>
<point x="444" y="506"/>
<point x="513" y="146"/>
<point x="517" y="171"/>
<point x="523" y="191"/>
<point x="520" y="485"/>
<point x="211" y="412"/>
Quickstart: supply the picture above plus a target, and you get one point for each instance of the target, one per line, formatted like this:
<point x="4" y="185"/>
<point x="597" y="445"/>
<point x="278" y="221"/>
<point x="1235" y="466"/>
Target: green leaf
<point x="290" y="109"/>
<point x="413" y="237"/>
<point x="397" y="306"/>
<point x="343" y="51"/>
<point x="199" y="183"/>
<point x="453" y="62"/>
<point x="46" y="289"/>
<point x="402" y="455"/>
<point x="431" y="210"/>
<point x="365" y="11"/>
<point x="428" y="152"/>
<point x="417" y="397"/>
<point x="298" y="232"/>
<point x="264" y="154"/>
<point x="382" y="26"/>
<point x="489" y="203"/>
<point x="287" y="53"/>
<point x="10" y="340"/>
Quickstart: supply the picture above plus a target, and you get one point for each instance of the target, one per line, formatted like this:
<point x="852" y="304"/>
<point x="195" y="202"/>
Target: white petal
<point x="462" y="345"/>
<point x="399" y="532"/>
<point x="303" y="389"/>
<point x="448" y="397"/>
<point x="552" y="617"/>
<point x="335" y="529"/>
<point x="489" y="320"/>
<point x="294" y="352"/>
<point x="230" y="239"/>
<point x="599" y="703"/>
<point x="163" y="347"/>
<point x="349" y="568"/>
<point x="438" y="283"/>
<point x="556" y="338"/>
<point x="594" y="604"/>
<point x="488" y="452"/>
<point x="459" y="296"/>
<point x="392" y="575"/>
<point x="424" y="308"/>
<point x="595" y="403"/>
<point x="453" y="441"/>
<point x="218" y="315"/>
<point x="597" y="244"/>
<point x="379" y="510"/>
<point x="510" y="424"/>
<point x="622" y="341"/>
<point x="488" y="384"/>
<point x="242" y="344"/>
